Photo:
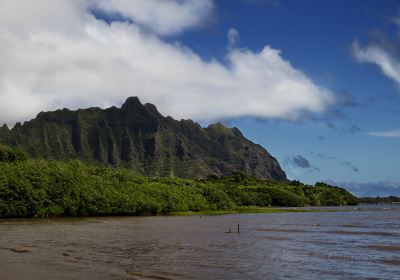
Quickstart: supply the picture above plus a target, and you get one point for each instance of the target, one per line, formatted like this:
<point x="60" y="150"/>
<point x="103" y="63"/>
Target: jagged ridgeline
<point x="139" y="137"/>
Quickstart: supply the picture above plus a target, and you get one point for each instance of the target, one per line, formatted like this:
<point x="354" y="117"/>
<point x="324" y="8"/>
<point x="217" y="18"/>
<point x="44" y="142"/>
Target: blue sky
<point x="317" y="37"/>
<point x="317" y="83"/>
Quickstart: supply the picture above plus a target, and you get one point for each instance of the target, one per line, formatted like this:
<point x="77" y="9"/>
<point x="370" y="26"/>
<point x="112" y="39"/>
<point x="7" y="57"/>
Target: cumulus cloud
<point x="163" y="17"/>
<point x="395" y="133"/>
<point x="377" y="54"/>
<point x="57" y="54"/>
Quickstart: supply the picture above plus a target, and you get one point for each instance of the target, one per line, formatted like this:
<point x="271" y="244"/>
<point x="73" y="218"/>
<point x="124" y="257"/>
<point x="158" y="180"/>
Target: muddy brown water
<point x="329" y="245"/>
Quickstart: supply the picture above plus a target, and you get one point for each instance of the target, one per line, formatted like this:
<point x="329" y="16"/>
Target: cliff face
<point x="139" y="137"/>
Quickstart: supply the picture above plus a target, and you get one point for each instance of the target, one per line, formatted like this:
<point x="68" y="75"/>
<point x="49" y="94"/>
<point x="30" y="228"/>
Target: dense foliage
<point x="9" y="154"/>
<point x="377" y="200"/>
<point x="39" y="188"/>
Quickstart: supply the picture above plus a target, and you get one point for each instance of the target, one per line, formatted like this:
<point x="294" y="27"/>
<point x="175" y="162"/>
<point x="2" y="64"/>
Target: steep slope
<point x="139" y="137"/>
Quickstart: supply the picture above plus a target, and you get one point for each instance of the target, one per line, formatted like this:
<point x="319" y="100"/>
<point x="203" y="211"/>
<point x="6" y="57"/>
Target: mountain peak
<point x="132" y="103"/>
<point x="142" y="139"/>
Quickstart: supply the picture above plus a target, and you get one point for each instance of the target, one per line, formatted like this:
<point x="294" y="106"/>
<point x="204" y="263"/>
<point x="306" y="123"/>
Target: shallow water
<point x="326" y="245"/>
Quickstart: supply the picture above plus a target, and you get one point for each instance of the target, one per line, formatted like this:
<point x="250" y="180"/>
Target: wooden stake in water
<point x="238" y="229"/>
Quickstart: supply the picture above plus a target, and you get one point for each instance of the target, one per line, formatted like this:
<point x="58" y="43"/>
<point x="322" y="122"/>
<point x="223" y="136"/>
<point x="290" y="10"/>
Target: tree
<point x="9" y="154"/>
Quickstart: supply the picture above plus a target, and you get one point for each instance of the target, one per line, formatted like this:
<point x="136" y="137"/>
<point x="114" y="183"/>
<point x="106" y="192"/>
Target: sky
<point x="317" y="83"/>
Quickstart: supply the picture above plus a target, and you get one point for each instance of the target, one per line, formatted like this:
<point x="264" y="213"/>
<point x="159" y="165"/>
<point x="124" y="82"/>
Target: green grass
<point x="204" y="213"/>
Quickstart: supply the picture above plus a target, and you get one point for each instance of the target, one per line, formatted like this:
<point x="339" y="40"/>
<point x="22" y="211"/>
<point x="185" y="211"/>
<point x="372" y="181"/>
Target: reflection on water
<point x="329" y="245"/>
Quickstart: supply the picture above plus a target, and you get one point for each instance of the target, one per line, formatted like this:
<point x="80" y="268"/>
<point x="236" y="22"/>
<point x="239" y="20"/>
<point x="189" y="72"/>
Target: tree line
<point x="47" y="188"/>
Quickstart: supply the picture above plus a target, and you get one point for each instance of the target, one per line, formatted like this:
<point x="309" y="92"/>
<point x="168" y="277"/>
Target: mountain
<point x="139" y="137"/>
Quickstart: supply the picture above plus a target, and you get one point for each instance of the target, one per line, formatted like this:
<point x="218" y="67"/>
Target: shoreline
<point x="238" y="210"/>
<point x="259" y="210"/>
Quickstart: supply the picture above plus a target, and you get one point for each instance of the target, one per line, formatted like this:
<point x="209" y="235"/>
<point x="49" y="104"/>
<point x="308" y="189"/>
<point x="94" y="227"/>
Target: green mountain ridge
<point x="137" y="136"/>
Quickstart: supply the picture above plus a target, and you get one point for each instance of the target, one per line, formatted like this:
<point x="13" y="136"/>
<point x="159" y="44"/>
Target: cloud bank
<point x="58" y="54"/>
<point x="373" y="189"/>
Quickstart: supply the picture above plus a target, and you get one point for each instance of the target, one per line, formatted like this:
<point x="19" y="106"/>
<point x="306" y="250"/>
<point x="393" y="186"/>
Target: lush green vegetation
<point x="8" y="154"/>
<point x="39" y="188"/>
<point x="377" y="200"/>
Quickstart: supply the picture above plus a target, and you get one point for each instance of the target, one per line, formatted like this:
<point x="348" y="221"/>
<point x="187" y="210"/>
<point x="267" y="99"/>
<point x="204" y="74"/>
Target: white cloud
<point x="395" y="133"/>
<point x="164" y="17"/>
<point x="233" y="38"/>
<point x="55" y="54"/>
<point x="389" y="65"/>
